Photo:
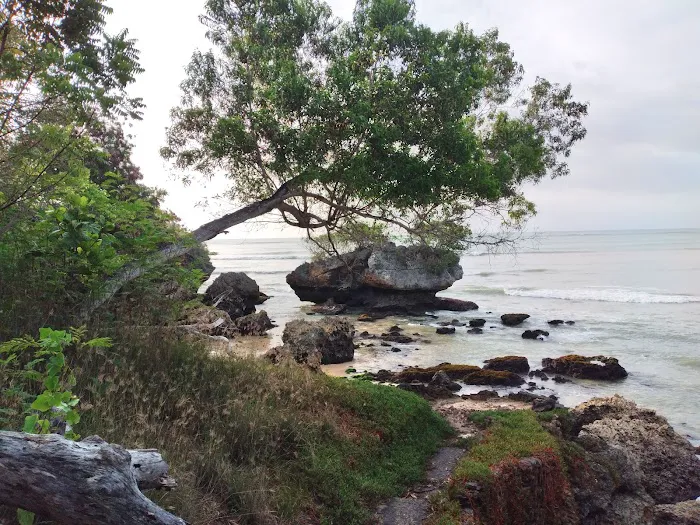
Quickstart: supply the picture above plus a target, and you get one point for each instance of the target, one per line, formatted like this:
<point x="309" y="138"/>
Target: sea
<point x="633" y="295"/>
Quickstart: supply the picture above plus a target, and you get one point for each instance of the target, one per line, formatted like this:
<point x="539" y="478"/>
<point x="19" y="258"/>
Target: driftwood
<point x="88" y="482"/>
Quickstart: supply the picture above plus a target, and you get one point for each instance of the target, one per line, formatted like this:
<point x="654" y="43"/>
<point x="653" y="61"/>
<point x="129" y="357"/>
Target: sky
<point x="635" y="61"/>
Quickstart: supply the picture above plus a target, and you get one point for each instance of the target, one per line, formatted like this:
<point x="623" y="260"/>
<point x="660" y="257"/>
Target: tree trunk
<point x="203" y="233"/>
<point x="87" y="482"/>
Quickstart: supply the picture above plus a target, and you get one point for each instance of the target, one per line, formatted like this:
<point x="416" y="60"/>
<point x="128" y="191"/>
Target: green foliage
<point x="29" y="365"/>
<point x="377" y="121"/>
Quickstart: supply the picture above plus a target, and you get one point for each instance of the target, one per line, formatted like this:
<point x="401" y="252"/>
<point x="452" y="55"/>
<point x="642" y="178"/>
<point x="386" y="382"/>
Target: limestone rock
<point x="386" y="278"/>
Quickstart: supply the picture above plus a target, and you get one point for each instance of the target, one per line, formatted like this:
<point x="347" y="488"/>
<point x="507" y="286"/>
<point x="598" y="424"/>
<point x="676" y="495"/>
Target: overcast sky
<point x="636" y="61"/>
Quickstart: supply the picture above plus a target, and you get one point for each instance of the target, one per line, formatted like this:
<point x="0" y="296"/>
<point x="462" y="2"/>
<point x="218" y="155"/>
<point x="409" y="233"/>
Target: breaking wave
<point x="613" y="295"/>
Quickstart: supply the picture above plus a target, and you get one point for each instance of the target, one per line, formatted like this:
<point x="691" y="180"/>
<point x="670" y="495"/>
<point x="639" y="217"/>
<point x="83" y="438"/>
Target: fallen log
<point x="87" y="482"/>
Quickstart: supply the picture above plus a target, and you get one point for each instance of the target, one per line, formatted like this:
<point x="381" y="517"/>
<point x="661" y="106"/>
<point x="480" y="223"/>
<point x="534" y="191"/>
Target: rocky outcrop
<point x="235" y="293"/>
<point x="510" y="363"/>
<point x="513" y="319"/>
<point x="634" y="467"/>
<point x="325" y="342"/>
<point x="386" y="278"/>
<point x="596" y="367"/>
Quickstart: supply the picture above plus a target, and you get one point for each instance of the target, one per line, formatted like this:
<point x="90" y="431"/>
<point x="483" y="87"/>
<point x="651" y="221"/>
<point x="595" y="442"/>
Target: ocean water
<point x="634" y="295"/>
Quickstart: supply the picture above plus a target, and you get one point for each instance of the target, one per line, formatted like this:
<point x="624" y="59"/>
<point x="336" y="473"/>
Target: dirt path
<point x="412" y="509"/>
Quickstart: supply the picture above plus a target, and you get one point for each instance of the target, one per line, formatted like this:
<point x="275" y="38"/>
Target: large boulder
<point x="257" y="323"/>
<point x="669" y="467"/>
<point x="235" y="293"/>
<point x="329" y="341"/>
<point x="596" y="367"/>
<point x="385" y="278"/>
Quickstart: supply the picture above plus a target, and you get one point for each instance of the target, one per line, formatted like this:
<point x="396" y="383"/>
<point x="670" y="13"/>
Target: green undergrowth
<point x="253" y="443"/>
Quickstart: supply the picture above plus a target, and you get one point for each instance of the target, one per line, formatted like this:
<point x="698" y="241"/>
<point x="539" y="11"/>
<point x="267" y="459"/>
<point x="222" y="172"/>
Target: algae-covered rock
<point x="596" y="367"/>
<point x="509" y="363"/>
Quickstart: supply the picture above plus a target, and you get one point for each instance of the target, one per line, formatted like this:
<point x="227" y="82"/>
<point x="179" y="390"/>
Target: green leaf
<point x="72" y="418"/>
<point x="24" y="517"/>
<point x="30" y="424"/>
<point x="43" y="402"/>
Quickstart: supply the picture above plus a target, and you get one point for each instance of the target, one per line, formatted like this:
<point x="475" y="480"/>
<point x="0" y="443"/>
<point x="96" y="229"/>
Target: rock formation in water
<point x="385" y="278"/>
<point x="235" y="293"/>
<point x="596" y="367"/>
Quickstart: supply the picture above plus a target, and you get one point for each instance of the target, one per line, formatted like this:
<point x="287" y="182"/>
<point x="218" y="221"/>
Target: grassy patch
<point x="511" y="491"/>
<point x="255" y="444"/>
<point x="516" y="433"/>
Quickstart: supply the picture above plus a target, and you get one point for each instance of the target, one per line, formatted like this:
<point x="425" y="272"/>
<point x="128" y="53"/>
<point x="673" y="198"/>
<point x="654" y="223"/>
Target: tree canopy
<point x="378" y="124"/>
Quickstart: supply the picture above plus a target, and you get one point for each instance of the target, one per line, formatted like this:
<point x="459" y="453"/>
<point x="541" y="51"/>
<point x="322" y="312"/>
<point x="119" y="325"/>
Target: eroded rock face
<point x="596" y="367"/>
<point x="235" y="293"/>
<point x="668" y="467"/>
<point x="387" y="278"/>
<point x="327" y="341"/>
<point x="684" y="513"/>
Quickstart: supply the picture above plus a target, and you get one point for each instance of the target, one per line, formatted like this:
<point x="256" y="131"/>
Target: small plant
<point x="27" y="362"/>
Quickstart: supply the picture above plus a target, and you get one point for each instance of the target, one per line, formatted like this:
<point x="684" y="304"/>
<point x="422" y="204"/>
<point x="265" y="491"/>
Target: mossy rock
<point x="509" y="363"/>
<point x="454" y="372"/>
<point x="596" y="367"/>
<point x="494" y="378"/>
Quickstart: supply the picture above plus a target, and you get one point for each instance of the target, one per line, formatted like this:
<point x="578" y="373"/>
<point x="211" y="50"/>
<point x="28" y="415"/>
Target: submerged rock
<point x="513" y="319"/>
<point x="444" y="330"/>
<point x="386" y="278"/>
<point x="233" y="292"/>
<point x="475" y="331"/>
<point x="394" y="337"/>
<point x="510" y="363"/>
<point x="477" y="323"/>
<point x="535" y="334"/>
<point x="555" y="322"/>
<point x="596" y="367"/>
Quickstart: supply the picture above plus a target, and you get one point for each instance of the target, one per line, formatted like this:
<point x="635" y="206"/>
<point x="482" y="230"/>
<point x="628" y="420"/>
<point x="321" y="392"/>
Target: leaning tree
<point x="378" y="124"/>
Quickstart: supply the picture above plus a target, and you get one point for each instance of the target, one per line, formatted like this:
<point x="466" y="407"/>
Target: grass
<point x="251" y="443"/>
<point x="516" y="434"/>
